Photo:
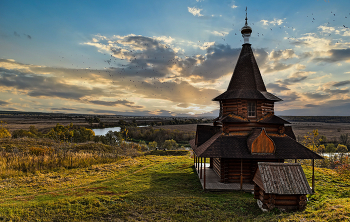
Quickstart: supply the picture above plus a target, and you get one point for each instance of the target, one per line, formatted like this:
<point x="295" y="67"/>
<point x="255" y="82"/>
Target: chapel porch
<point x="211" y="182"/>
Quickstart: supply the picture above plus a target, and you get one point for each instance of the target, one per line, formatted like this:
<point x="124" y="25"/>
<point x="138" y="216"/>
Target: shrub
<point x="4" y="133"/>
<point x="330" y="148"/>
<point x="170" y="144"/>
<point x="152" y="145"/>
<point x="342" y="148"/>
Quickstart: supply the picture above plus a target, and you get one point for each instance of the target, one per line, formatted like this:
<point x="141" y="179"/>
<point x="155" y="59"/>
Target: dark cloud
<point x="295" y="78"/>
<point x="179" y="92"/>
<point x="291" y="97"/>
<point x="336" y="91"/>
<point x="276" y="87"/>
<point x="330" y="108"/>
<point x="183" y="105"/>
<point x="43" y="86"/>
<point x="132" y="112"/>
<point x="299" y="43"/>
<point x="336" y="56"/>
<point x="311" y="105"/>
<point x="316" y="95"/>
<point x="3" y="103"/>
<point x="29" y="37"/>
<point x="65" y="109"/>
<point x="116" y="103"/>
<point x="341" y="83"/>
<point x="282" y="54"/>
<point x="146" y="57"/>
<point x="277" y="66"/>
<point x="16" y="34"/>
<point x="305" y="55"/>
<point x="220" y="61"/>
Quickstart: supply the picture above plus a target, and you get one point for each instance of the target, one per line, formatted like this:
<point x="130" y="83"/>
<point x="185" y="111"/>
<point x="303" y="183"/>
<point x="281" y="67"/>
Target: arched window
<point x="251" y="109"/>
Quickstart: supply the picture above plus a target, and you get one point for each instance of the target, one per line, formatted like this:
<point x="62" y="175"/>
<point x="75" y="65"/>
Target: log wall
<point x="217" y="166"/>
<point x="240" y="107"/>
<point x="287" y="202"/>
<point x="231" y="169"/>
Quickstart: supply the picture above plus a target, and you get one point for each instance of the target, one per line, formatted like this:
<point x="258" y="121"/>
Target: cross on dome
<point x="246" y="30"/>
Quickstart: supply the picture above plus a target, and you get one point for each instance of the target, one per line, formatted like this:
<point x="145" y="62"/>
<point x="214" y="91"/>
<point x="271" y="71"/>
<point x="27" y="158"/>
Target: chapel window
<point x="251" y="109"/>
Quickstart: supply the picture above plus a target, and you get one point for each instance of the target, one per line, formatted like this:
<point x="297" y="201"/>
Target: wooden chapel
<point x="246" y="131"/>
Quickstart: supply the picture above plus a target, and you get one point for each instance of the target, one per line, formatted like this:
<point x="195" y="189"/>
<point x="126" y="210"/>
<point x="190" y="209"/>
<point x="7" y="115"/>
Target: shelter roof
<point x="281" y="178"/>
<point x="271" y="118"/>
<point x="233" y="118"/>
<point x="235" y="146"/>
<point x="205" y="132"/>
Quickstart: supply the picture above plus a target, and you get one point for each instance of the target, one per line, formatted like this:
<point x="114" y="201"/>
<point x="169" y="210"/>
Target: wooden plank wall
<point x="232" y="169"/>
<point x="267" y="107"/>
<point x="248" y="127"/>
<point x="217" y="166"/>
<point x="240" y="107"/>
<point x="236" y="106"/>
<point x="288" y="202"/>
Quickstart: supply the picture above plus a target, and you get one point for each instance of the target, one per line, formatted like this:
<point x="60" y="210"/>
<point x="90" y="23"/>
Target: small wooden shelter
<point x="281" y="185"/>
<point x="246" y="131"/>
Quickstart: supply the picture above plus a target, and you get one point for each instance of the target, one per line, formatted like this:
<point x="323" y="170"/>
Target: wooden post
<point x="194" y="158"/>
<point x="204" y="174"/>
<point x="295" y="161"/>
<point x="241" y="174"/>
<point x="313" y="176"/>
<point x="201" y="168"/>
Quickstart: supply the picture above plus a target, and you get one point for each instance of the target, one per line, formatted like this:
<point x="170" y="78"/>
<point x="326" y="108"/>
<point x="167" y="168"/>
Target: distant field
<point x="300" y="126"/>
<point x="330" y="130"/>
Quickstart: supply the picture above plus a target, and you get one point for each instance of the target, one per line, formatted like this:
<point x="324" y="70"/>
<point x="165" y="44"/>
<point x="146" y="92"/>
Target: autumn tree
<point x="4" y="133"/>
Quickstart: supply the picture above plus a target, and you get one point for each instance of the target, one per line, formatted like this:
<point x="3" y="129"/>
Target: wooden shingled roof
<point x="220" y="146"/>
<point x="281" y="178"/>
<point x="246" y="81"/>
<point x="272" y="119"/>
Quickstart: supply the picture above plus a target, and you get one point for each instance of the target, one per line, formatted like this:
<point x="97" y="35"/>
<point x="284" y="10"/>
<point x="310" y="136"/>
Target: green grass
<point x="153" y="188"/>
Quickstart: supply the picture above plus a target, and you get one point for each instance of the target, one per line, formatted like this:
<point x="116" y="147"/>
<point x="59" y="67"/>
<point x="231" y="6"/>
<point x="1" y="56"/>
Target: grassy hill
<point x="152" y="188"/>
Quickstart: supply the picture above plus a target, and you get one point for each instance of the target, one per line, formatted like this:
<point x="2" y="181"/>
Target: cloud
<point x="16" y="34"/>
<point x="276" y="87"/>
<point x="336" y="91"/>
<point x="329" y="108"/>
<point x="311" y="95"/>
<point x="3" y="103"/>
<point x="195" y="11"/>
<point x="277" y="66"/>
<point x="272" y="22"/>
<point x="234" y="6"/>
<point x="296" y="77"/>
<point x="219" y="61"/>
<point x="335" y="55"/>
<point x="341" y="83"/>
<point x="64" y="109"/>
<point x="222" y="33"/>
<point x="116" y="103"/>
<point x="291" y="97"/>
<point x="282" y="54"/>
<point x="43" y="86"/>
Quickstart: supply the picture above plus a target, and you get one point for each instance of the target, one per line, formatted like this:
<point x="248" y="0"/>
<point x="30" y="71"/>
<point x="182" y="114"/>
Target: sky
<point x="170" y="58"/>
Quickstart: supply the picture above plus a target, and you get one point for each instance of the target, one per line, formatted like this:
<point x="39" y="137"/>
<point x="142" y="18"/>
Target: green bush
<point x="330" y="148"/>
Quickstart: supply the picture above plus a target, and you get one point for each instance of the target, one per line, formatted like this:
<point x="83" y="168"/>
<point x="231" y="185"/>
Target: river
<point x="104" y="131"/>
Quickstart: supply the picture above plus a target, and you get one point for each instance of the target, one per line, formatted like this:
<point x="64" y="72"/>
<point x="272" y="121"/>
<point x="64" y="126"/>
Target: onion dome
<point x="246" y="30"/>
